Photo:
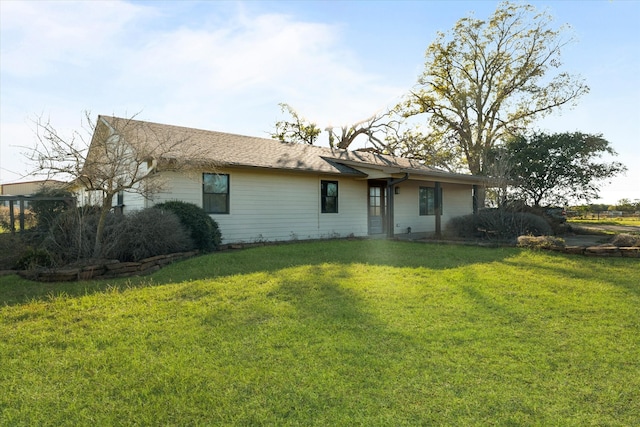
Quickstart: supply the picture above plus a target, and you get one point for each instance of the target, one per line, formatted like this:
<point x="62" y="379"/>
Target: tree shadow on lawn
<point x="369" y="252"/>
<point x="269" y="259"/>
<point x="343" y="360"/>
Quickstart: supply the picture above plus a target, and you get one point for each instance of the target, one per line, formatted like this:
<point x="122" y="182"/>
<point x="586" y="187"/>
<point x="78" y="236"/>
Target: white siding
<point x="276" y="206"/>
<point x="132" y="201"/>
<point x="456" y="201"/>
<point x="186" y="187"/>
<point x="268" y="206"/>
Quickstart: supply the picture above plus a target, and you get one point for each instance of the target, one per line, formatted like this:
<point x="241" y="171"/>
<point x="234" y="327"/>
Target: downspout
<point x="390" y="205"/>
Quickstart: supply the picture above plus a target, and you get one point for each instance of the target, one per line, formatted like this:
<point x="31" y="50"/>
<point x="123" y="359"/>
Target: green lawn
<point x="371" y="333"/>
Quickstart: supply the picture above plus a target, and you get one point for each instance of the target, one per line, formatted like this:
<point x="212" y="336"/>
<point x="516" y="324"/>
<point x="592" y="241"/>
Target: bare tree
<point x="110" y="155"/>
<point x="302" y="131"/>
<point x="373" y="128"/>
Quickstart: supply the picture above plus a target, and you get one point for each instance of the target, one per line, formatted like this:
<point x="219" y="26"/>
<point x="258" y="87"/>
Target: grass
<point x="632" y="221"/>
<point x="330" y="333"/>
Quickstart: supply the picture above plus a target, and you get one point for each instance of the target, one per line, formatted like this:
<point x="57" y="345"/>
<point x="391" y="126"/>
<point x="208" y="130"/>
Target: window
<point x="329" y="196"/>
<point x="428" y="201"/>
<point x="215" y="193"/>
<point x="119" y="207"/>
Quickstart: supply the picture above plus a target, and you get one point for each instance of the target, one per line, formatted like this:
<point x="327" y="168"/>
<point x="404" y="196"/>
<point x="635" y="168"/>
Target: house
<point x="261" y="189"/>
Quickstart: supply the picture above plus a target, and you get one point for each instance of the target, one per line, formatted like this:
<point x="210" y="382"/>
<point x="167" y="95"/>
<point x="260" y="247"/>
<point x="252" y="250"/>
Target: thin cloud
<point x="41" y="37"/>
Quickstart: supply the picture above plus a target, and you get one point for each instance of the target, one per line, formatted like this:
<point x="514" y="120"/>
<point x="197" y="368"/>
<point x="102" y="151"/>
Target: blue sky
<point x="225" y="66"/>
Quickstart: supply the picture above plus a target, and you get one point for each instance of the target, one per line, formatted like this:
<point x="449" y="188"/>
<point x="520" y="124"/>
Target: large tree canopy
<point x="298" y="131"/>
<point x="485" y="80"/>
<point x="555" y="168"/>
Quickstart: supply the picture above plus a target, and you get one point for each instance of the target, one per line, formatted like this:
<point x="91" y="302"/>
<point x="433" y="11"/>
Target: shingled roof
<point x="231" y="150"/>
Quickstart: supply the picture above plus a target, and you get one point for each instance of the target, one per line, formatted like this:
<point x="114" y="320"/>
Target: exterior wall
<point x="456" y="201"/>
<point x="26" y="188"/>
<point x="132" y="201"/>
<point x="275" y="206"/>
<point x="270" y="206"/>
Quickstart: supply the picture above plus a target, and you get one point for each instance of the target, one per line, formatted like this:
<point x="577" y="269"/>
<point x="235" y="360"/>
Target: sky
<point x="226" y="65"/>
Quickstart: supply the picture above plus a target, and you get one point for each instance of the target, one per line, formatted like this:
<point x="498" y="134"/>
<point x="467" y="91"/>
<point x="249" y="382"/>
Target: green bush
<point x="498" y="224"/>
<point x="204" y="230"/>
<point x="34" y="258"/>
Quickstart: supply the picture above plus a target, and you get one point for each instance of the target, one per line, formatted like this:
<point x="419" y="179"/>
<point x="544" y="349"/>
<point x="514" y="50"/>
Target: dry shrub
<point x="148" y="233"/>
<point x="626" y="240"/>
<point x="540" y="242"/>
<point x="72" y="234"/>
<point x="130" y="237"/>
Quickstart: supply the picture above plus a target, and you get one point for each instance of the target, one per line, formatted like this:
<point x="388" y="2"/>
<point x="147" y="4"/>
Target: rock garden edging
<point x="105" y="269"/>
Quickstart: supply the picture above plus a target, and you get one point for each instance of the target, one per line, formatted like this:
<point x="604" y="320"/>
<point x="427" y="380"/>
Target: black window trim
<point x="436" y="204"/>
<point x="324" y="197"/>
<point x="227" y="194"/>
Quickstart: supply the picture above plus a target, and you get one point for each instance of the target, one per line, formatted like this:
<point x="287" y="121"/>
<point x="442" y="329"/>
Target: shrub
<point x="626" y="240"/>
<point x="72" y="234"/>
<point x="130" y="237"/>
<point x="540" y="242"/>
<point x="552" y="215"/>
<point x="497" y="224"/>
<point x="462" y="226"/>
<point x="204" y="230"/>
<point x="34" y="258"/>
<point x="11" y="248"/>
<point x="146" y="233"/>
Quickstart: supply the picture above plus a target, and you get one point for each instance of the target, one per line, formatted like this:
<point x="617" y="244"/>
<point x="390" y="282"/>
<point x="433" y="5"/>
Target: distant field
<point x="631" y="221"/>
<point x="364" y="332"/>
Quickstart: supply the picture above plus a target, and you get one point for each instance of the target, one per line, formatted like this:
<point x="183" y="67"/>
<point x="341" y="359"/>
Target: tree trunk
<point x="481" y="196"/>
<point x="106" y="207"/>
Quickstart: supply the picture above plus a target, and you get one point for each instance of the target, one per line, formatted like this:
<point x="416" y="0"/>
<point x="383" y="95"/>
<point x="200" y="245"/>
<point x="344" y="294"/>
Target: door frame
<point x="382" y="185"/>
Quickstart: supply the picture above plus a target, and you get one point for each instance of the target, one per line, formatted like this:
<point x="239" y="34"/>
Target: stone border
<point x="107" y="269"/>
<point x="592" y="251"/>
<point x="601" y="251"/>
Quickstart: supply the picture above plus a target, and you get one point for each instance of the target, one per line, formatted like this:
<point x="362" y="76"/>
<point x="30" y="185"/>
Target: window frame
<point x="325" y="197"/>
<point x="212" y="194"/>
<point x="430" y="195"/>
